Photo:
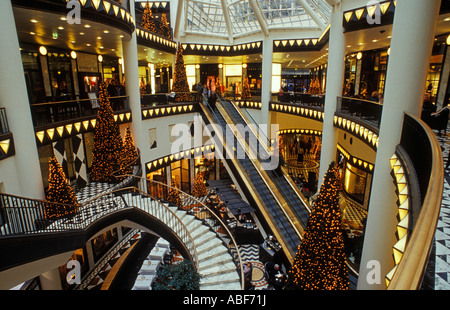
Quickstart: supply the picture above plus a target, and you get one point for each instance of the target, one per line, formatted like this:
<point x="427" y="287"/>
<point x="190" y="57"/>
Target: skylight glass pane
<point x="242" y="17"/>
<point x="284" y="13"/>
<point x="205" y="17"/>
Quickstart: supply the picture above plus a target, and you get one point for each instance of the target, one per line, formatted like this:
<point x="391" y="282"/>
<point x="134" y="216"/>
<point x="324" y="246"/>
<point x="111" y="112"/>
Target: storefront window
<point x="355" y="182"/>
<point x="60" y="70"/>
<point x="206" y="166"/>
<point x="33" y="75"/>
<point x="180" y="175"/>
<point x="103" y="243"/>
<point x="155" y="189"/>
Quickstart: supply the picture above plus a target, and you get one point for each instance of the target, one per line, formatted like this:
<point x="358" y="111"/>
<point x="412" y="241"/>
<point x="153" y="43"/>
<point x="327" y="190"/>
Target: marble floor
<point x="442" y="235"/>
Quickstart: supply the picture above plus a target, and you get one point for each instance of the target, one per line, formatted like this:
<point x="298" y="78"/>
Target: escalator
<point x="275" y="197"/>
<point x="285" y="186"/>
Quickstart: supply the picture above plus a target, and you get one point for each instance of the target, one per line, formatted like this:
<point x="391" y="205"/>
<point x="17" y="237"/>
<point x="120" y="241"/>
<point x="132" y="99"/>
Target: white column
<point x="51" y="280"/>
<point x="14" y="98"/>
<point x="334" y="86"/>
<point x="411" y="44"/>
<point x="266" y="83"/>
<point x="131" y="67"/>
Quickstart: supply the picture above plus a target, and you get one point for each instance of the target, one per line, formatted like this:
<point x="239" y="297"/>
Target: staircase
<point x="215" y="264"/>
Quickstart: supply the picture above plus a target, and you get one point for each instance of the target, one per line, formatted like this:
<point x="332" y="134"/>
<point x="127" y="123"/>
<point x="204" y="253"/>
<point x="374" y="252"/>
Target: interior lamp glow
<point x="100" y="58"/>
<point x="73" y="54"/>
<point x="448" y="40"/>
<point x="43" y="50"/>
<point x="359" y="56"/>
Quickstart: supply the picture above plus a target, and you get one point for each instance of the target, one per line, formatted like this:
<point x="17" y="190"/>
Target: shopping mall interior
<point x="241" y="144"/>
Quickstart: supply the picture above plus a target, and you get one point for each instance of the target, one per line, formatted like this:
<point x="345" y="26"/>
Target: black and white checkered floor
<point x="442" y="235"/>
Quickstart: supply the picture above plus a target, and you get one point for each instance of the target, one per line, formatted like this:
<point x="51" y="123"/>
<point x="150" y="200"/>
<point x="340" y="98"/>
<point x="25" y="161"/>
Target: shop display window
<point x="355" y="182"/>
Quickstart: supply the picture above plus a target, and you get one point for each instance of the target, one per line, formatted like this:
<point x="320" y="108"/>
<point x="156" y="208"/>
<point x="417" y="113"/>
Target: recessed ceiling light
<point x="33" y="21"/>
<point x="447" y="19"/>
<point x="33" y="33"/>
<point x="105" y="31"/>
<point x="374" y="41"/>
<point x="99" y="38"/>
<point x="87" y="26"/>
<point x="101" y="47"/>
<point x="81" y="33"/>
<point x="61" y="28"/>
<point x="88" y="44"/>
<point x="63" y="18"/>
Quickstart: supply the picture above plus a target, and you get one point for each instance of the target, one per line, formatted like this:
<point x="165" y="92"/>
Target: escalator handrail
<point x="301" y="197"/>
<point x="279" y="204"/>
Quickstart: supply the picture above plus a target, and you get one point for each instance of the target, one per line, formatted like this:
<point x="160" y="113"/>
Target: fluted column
<point x="131" y="67"/>
<point x="411" y="45"/>
<point x="334" y="86"/>
<point x="14" y="98"/>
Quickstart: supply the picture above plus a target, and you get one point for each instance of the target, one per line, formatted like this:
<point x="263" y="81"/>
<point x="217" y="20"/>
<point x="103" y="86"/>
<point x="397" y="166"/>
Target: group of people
<point x="276" y="278"/>
<point x="115" y="88"/>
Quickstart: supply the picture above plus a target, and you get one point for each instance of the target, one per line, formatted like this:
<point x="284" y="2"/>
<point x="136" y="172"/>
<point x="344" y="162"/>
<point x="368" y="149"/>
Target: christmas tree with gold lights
<point x="148" y="22"/>
<point x="165" y="29"/>
<point x="60" y="196"/>
<point x="108" y="145"/>
<point x="199" y="188"/>
<point x="180" y="82"/>
<point x="174" y="197"/>
<point x="320" y="260"/>
<point x="130" y="153"/>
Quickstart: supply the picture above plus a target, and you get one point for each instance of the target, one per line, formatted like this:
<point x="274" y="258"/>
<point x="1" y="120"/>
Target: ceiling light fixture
<point x="43" y="50"/>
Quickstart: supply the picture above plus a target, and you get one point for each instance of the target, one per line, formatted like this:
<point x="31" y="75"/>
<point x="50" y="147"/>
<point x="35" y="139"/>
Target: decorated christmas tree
<point x="199" y="188"/>
<point x="180" y="83"/>
<point x="148" y="22"/>
<point x="59" y="192"/>
<point x="174" y="197"/>
<point x="130" y="153"/>
<point x="165" y="29"/>
<point x="320" y="260"/>
<point x="108" y="145"/>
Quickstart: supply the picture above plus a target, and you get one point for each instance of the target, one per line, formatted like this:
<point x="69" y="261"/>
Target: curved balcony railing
<point x="57" y="111"/>
<point x="368" y="111"/>
<point x="200" y="210"/>
<point x="107" y="12"/>
<point x="22" y="216"/>
<point x="423" y="150"/>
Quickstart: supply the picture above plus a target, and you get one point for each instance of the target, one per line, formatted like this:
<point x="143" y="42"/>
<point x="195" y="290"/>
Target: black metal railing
<point x="52" y="112"/>
<point x="4" y="128"/>
<point x="369" y="111"/>
<point x="300" y="98"/>
<point x="421" y="146"/>
<point x="149" y="100"/>
<point x="417" y="145"/>
<point x="198" y="207"/>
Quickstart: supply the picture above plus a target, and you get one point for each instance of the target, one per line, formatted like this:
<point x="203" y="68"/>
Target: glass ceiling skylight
<point x="231" y="18"/>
